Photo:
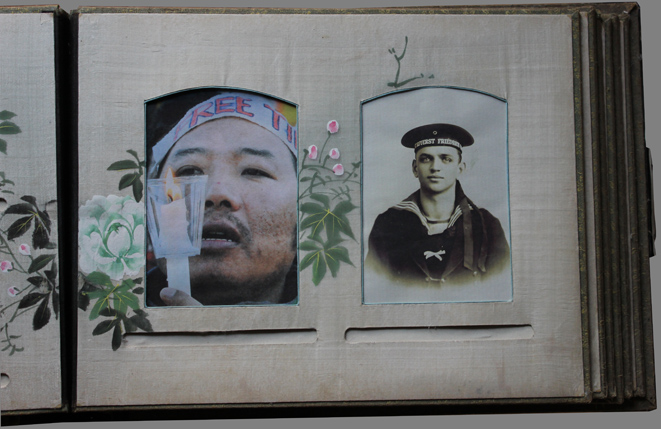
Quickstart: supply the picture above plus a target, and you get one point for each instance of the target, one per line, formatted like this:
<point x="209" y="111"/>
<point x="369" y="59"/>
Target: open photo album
<point x="226" y="208"/>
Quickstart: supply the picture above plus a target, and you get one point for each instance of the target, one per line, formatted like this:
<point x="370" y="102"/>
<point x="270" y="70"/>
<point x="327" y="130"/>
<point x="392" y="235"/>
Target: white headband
<point x="269" y="113"/>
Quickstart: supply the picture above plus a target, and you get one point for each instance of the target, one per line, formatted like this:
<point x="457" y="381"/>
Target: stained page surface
<point x="29" y="300"/>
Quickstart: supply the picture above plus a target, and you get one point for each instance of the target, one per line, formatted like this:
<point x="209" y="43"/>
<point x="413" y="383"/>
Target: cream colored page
<point x="30" y="358"/>
<point x="327" y="65"/>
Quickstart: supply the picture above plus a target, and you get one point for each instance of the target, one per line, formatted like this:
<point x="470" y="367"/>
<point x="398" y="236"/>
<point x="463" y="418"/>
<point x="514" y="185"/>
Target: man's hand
<point x="175" y="297"/>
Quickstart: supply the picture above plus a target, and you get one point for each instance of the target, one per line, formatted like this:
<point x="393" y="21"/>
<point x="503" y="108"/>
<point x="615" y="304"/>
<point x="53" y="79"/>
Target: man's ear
<point x="414" y="168"/>
<point x="462" y="167"/>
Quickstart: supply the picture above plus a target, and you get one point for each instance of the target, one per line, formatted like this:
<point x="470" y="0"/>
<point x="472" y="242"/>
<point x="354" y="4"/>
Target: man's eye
<point x="189" y="170"/>
<point x="256" y="172"/>
<point x="447" y="159"/>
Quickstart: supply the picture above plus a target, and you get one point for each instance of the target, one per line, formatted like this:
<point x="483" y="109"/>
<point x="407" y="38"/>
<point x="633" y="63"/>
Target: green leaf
<point x="40" y="237"/>
<point x="18" y="228"/>
<point x="21" y="208"/>
<point x="343" y="207"/>
<point x="333" y="264"/>
<point x="139" y="290"/>
<point x="127" y="180"/>
<point x="340" y="253"/>
<point x="31" y="299"/>
<point x="316" y="222"/>
<point x="99" y="278"/>
<point x="125" y="286"/>
<point x="99" y="293"/>
<point x="311" y="208"/>
<point x="129" y="326"/>
<point x="104" y="326"/>
<point x="56" y="303"/>
<point x="3" y="147"/>
<point x="125" y="299"/>
<point x="7" y="127"/>
<point x="333" y="228"/>
<point x="6" y="114"/>
<point x="52" y="273"/>
<point x="83" y="301"/>
<point x="323" y="199"/>
<point x="318" y="269"/>
<point x="40" y="262"/>
<point x="41" y="316"/>
<point x="120" y="306"/>
<point x="37" y="281"/>
<point x="101" y="304"/>
<point x="30" y="199"/>
<point x="141" y="322"/>
<point x="137" y="189"/>
<point x="308" y="245"/>
<point x="345" y="227"/>
<point x="132" y="152"/>
<point x="108" y="312"/>
<point x="305" y="179"/>
<point x="308" y="259"/>
<point x="116" y="337"/>
<point x="44" y="218"/>
<point x="336" y="224"/>
<point x="126" y="164"/>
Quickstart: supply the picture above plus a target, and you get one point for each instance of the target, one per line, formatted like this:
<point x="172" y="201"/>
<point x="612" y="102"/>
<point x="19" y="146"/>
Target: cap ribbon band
<point x="438" y="142"/>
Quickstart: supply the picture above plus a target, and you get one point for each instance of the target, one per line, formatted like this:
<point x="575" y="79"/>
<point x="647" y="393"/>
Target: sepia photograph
<point x="435" y="197"/>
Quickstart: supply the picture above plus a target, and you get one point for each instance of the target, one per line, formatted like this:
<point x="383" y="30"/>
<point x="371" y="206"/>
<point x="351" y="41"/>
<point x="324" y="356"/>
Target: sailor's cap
<point x="437" y="135"/>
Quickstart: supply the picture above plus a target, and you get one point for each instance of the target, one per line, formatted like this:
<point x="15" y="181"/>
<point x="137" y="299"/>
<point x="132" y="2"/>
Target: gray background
<point x="651" y="34"/>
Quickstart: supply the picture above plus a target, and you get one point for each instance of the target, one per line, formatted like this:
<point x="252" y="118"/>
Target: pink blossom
<point x="312" y="152"/>
<point x="333" y="126"/>
<point x="24" y="249"/>
<point x="5" y="266"/>
<point x="334" y="153"/>
<point x="338" y="169"/>
<point x="12" y="291"/>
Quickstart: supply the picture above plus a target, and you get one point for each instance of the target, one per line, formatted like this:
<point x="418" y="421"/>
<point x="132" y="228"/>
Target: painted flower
<point x="111" y="236"/>
<point x="334" y="153"/>
<point x="338" y="169"/>
<point x="312" y="152"/>
<point x="12" y="291"/>
<point x="5" y="266"/>
<point x="333" y="126"/>
<point x="24" y="249"/>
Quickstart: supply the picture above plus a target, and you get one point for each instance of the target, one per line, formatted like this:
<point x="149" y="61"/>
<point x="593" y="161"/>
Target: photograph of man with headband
<point x="245" y="143"/>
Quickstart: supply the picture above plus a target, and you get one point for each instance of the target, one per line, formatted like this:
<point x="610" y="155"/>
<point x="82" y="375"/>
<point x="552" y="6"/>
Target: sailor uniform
<point x="409" y="247"/>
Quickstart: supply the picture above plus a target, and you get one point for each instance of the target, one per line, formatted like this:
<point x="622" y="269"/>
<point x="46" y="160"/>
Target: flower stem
<point x="5" y="244"/>
<point x="324" y="146"/>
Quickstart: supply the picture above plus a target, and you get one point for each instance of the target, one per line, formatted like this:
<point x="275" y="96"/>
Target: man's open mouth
<point x="220" y="233"/>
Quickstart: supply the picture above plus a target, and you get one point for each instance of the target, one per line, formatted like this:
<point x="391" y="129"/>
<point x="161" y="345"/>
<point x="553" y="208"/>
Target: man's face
<point x="437" y="168"/>
<point x="249" y="232"/>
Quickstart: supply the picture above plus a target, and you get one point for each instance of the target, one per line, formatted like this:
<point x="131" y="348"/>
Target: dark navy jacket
<point x="473" y="245"/>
